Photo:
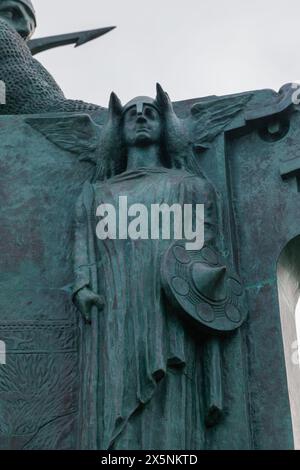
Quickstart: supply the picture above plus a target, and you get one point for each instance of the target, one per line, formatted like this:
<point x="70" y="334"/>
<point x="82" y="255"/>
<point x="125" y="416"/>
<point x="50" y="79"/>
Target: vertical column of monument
<point x="39" y="382"/>
<point x="264" y="214"/>
<point x="236" y="377"/>
<point x="233" y="432"/>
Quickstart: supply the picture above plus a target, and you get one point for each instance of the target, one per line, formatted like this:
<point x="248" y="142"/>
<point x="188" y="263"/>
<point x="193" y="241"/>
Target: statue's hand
<point x="85" y="300"/>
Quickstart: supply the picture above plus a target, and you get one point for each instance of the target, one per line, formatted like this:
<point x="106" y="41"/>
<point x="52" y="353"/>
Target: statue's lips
<point x="142" y="129"/>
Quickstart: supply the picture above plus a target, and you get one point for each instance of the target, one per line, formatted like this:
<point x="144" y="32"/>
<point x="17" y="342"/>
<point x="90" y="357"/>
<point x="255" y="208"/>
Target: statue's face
<point x="18" y="17"/>
<point x="142" y="127"/>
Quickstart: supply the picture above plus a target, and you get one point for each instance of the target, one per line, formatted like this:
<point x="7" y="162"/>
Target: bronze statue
<point x="163" y="361"/>
<point x="152" y="369"/>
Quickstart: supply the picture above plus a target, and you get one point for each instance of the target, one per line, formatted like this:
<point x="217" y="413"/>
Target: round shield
<point x="200" y="284"/>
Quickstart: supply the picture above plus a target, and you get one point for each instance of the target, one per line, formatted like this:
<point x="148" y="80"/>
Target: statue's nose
<point x="141" y="118"/>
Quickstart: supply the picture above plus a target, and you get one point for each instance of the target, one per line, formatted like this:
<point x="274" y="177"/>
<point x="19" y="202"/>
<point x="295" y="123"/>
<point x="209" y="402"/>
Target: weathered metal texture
<point x="190" y="279"/>
<point x="248" y="163"/>
<point x="265" y="213"/>
<point x="39" y="383"/>
<point x="262" y="210"/>
<point x="40" y="183"/>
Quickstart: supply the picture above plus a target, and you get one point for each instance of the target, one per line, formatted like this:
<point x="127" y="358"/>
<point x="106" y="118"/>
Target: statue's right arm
<point x="83" y="296"/>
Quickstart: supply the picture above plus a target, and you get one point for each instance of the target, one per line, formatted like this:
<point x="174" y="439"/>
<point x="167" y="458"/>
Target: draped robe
<point x="143" y="380"/>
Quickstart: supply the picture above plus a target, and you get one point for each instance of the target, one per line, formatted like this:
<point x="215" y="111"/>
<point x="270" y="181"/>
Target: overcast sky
<point x="193" y="48"/>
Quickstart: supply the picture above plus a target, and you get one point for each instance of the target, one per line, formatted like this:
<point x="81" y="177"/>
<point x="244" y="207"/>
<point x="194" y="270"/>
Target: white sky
<point x="193" y="48"/>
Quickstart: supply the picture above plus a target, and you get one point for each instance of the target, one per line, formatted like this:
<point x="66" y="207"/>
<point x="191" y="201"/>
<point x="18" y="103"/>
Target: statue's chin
<point x="143" y="139"/>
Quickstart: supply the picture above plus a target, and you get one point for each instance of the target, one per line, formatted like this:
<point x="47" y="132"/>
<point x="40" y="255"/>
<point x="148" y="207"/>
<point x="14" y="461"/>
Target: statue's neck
<point x="148" y="157"/>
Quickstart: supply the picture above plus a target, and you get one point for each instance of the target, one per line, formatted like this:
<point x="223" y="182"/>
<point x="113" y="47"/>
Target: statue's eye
<point x="132" y="114"/>
<point x="7" y="13"/>
<point x="149" y="112"/>
<point x="10" y="13"/>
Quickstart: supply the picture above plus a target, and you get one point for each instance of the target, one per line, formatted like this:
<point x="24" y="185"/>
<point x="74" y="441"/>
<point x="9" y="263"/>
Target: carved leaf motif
<point x="57" y="434"/>
<point x="36" y="389"/>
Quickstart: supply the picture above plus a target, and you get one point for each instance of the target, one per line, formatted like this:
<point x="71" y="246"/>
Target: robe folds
<point x="143" y="381"/>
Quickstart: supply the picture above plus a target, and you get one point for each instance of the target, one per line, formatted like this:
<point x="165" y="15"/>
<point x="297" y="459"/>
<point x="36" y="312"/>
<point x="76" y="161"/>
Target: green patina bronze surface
<point x="37" y="277"/>
<point x="147" y="365"/>
<point x="106" y="349"/>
